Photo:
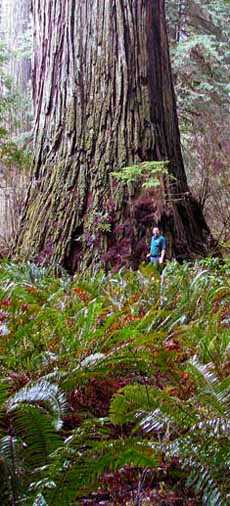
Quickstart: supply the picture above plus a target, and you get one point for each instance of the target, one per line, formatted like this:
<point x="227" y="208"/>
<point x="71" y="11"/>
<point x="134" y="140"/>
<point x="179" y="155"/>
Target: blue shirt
<point x="157" y="245"/>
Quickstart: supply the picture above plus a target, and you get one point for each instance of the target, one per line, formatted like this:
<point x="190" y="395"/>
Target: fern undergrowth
<point x="115" y="389"/>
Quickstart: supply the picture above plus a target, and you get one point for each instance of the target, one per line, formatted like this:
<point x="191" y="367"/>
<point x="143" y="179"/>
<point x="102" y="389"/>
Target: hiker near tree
<point x="157" y="248"/>
<point x="104" y="99"/>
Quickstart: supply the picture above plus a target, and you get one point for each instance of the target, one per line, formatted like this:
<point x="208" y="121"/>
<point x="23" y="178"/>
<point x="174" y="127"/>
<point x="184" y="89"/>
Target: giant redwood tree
<point x="103" y="99"/>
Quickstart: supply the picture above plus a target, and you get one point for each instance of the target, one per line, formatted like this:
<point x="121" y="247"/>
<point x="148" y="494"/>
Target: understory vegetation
<point x="115" y="389"/>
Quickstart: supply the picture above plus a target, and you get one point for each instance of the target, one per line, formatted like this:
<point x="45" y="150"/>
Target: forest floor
<point x="115" y="389"/>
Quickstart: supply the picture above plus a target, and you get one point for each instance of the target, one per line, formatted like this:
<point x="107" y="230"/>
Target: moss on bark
<point x="103" y="99"/>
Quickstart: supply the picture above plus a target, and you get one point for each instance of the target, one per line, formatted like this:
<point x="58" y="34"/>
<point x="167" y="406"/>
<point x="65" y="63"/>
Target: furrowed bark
<point x="103" y="99"/>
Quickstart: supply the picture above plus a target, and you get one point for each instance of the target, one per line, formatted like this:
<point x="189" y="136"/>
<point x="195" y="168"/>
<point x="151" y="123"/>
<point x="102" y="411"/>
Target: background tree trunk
<point x="15" y="29"/>
<point x="103" y="99"/>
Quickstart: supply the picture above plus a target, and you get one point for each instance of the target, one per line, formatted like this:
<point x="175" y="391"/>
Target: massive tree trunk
<point x="103" y="99"/>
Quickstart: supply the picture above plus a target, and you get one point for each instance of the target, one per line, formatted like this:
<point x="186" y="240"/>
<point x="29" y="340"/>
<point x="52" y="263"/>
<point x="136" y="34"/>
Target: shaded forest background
<point x="198" y="35"/>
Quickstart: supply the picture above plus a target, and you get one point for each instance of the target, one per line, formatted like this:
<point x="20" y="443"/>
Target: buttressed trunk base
<point x="104" y="99"/>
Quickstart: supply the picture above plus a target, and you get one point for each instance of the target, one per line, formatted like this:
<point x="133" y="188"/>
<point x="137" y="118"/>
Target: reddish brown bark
<point x="103" y="99"/>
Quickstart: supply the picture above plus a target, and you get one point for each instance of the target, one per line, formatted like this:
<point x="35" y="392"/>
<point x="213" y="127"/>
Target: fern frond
<point x="223" y="395"/>
<point x="3" y="393"/>
<point x="128" y="401"/>
<point x="155" y="421"/>
<point x="10" y="449"/>
<point x="205" y="458"/>
<point x="41" y="392"/>
<point x="40" y="501"/>
<point x="218" y="427"/>
<point x="79" y="473"/>
<point x="206" y="371"/>
<point x="214" y="392"/>
<point x="204" y="485"/>
<point x="133" y="399"/>
<point x="36" y="431"/>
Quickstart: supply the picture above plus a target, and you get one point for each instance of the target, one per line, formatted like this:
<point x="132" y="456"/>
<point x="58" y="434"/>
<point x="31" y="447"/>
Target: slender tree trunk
<point x="103" y="99"/>
<point x="15" y="21"/>
<point x="179" y="21"/>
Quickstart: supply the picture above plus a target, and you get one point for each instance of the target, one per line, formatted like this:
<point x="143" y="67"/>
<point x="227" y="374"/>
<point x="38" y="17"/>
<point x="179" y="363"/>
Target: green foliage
<point x="148" y="173"/>
<point x="195" y="431"/>
<point x="10" y="153"/>
<point x="199" y="35"/>
<point x="6" y="98"/>
<point x="112" y="377"/>
<point x="24" y="44"/>
<point x="44" y="393"/>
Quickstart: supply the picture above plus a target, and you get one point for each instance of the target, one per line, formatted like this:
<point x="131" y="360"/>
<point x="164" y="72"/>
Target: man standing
<point x="157" y="247"/>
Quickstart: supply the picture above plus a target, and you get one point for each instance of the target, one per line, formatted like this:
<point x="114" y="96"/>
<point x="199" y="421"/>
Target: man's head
<point x="156" y="231"/>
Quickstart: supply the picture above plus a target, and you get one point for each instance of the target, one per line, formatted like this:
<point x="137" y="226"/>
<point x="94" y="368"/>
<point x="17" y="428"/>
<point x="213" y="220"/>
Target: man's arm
<point x="162" y="257"/>
<point x="163" y="251"/>
<point x="149" y="254"/>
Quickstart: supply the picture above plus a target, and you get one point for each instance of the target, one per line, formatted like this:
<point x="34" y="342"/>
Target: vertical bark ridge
<point x="103" y="99"/>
